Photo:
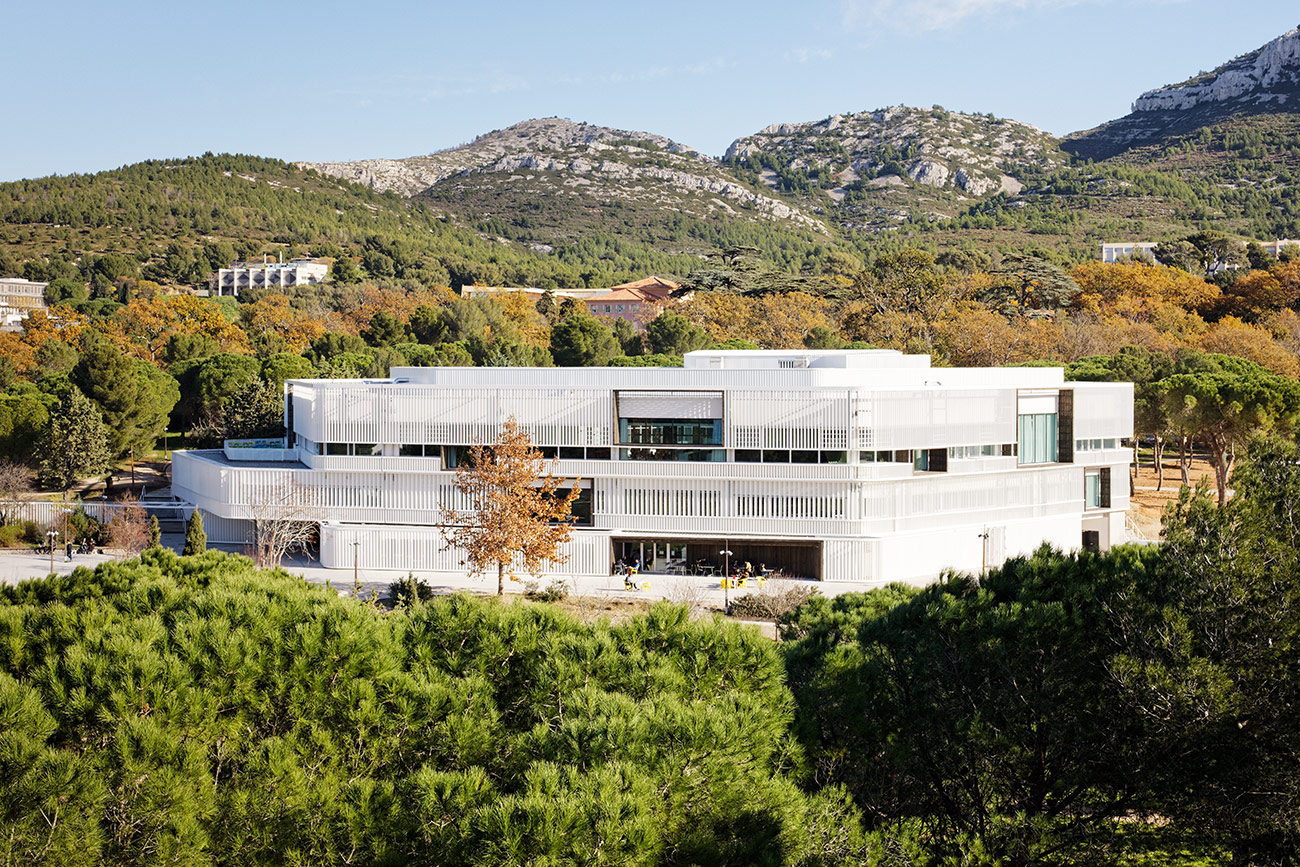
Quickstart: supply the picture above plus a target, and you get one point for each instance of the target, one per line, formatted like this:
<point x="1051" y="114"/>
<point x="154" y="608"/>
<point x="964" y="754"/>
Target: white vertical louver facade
<point x="837" y="465"/>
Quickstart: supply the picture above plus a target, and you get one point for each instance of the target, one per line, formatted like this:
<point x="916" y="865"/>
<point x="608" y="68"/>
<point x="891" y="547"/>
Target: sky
<point x="89" y="86"/>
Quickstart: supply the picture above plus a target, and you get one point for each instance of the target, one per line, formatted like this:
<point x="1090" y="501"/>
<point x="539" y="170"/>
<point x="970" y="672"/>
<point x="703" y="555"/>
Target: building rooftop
<point x="764" y="370"/>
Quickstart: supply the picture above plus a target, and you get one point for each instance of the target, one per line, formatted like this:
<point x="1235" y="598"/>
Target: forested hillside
<point x="176" y="221"/>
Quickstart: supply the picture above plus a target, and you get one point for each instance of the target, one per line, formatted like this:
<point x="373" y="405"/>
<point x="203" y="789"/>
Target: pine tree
<point x="75" y="444"/>
<point x="155" y="532"/>
<point x="196" y="541"/>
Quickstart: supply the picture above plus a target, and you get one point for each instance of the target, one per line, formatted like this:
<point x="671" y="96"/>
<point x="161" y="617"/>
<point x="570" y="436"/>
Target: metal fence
<point x="47" y="512"/>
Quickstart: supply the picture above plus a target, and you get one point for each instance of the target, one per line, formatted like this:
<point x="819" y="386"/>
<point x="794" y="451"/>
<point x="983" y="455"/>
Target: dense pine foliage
<point x="194" y="710"/>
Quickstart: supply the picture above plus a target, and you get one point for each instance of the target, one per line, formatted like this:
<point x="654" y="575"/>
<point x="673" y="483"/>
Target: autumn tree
<point x="274" y="315"/>
<point x="129" y="528"/>
<point x="1231" y="336"/>
<point x="150" y="323"/>
<point x="1140" y="291"/>
<point x="518" y="512"/>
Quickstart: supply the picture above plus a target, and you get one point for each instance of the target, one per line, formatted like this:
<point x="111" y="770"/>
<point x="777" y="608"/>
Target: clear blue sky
<point x="93" y="85"/>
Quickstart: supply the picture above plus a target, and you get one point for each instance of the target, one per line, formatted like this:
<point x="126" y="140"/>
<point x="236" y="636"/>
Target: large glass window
<point x="580" y="509"/>
<point x="1037" y="438"/>
<point x="670" y="432"/>
<point x="1092" y="489"/>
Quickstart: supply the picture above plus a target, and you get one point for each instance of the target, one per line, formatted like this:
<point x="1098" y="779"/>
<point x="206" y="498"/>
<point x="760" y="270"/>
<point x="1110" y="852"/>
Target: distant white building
<point x="1275" y="248"/>
<point x="1122" y="251"/>
<point x="834" y="465"/>
<point x="19" y="297"/>
<point x="296" y="272"/>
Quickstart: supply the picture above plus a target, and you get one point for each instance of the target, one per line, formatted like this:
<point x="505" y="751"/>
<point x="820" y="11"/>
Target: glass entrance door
<point x="654" y="555"/>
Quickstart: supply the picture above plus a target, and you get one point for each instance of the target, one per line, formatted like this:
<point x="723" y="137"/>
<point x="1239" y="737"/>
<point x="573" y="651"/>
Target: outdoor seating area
<point x="731" y="560"/>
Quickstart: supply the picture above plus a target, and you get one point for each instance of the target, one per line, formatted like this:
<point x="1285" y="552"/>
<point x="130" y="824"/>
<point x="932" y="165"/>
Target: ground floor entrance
<point x="712" y="557"/>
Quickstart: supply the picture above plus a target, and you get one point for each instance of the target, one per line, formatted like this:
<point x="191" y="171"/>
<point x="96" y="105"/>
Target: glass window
<point x="748" y="456"/>
<point x="776" y="456"/>
<point x="367" y="450"/>
<point x="921" y="462"/>
<point x="803" y="457"/>
<point x="653" y="454"/>
<point x="1092" y="490"/>
<point x="411" y="451"/>
<point x="572" y="453"/>
<point x="597" y="454"/>
<point x="867" y="457"/>
<point x="1037" y="438"/>
<point x="336" y="448"/>
<point x="834" y="457"/>
<point x="694" y="432"/>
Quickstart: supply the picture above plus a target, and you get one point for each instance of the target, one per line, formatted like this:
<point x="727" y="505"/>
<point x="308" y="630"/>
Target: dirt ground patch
<point x="1148" y="504"/>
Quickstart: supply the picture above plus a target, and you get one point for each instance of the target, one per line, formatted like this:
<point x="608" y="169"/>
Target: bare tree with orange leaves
<point x="517" y="511"/>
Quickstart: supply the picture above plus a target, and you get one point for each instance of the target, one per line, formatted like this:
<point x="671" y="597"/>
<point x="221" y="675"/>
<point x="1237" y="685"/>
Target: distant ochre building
<point x="638" y="302"/>
<point x="296" y="272"/>
<point x="864" y="465"/>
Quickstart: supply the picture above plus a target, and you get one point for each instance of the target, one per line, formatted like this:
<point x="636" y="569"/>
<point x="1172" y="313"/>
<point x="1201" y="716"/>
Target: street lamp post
<point x="52" y="535"/>
<point x="356" y="575"/>
<point x="984" y="551"/>
<point x="726" y="579"/>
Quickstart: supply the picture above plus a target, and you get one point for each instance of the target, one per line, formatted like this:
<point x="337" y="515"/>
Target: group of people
<point x="702" y="567"/>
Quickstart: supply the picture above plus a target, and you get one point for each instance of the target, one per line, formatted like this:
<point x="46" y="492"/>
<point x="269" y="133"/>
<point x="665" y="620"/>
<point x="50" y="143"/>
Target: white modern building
<point x="296" y="272"/>
<point x="835" y="465"/>
<point x="1125" y="250"/>
<point x="18" y="298"/>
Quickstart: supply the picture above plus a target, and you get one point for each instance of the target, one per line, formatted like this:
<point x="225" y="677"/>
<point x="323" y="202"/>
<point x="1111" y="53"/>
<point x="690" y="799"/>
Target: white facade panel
<point x="1103" y="410"/>
<point x="670" y="404"/>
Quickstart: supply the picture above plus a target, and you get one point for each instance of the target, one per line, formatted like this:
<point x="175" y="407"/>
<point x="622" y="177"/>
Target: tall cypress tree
<point x="196" y="540"/>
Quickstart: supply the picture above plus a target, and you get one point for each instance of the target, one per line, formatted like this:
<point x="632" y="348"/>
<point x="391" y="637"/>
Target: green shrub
<point x="555" y="591"/>
<point x="409" y="590"/>
<point x="778" y="598"/>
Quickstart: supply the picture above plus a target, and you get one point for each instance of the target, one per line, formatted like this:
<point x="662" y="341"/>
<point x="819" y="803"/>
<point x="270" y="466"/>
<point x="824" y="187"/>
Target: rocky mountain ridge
<point x="1222" y="146"/>
<point x="1268" y="74"/>
<point x="934" y="147"/>
<point x="1264" y="81"/>
<point x="626" y="165"/>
